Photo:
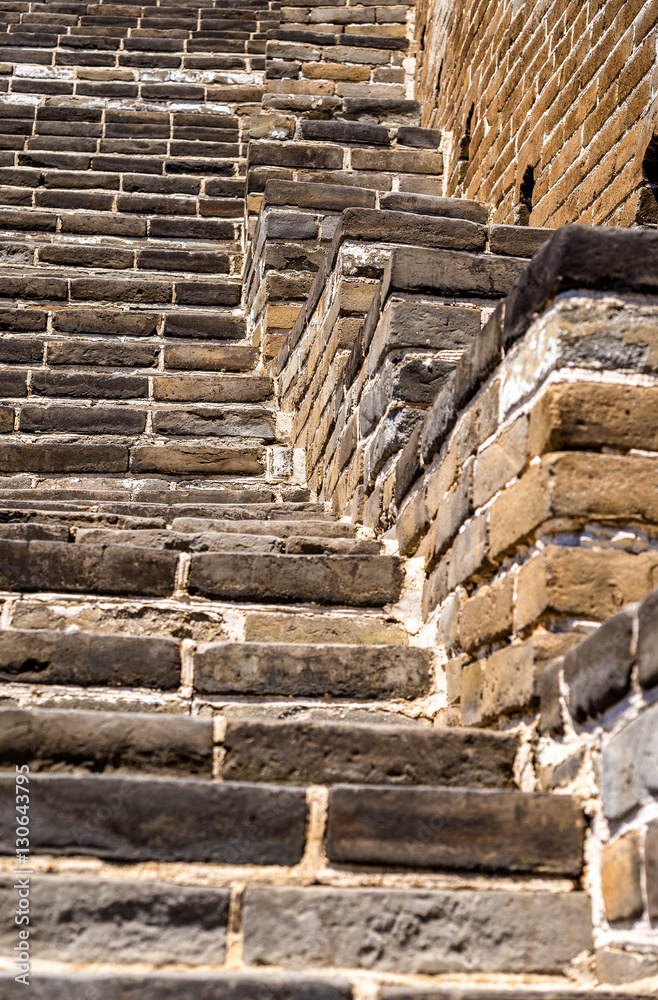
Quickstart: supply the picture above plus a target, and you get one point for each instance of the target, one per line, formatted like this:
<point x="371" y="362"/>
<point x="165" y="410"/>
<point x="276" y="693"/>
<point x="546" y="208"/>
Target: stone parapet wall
<point x="599" y="724"/>
<point x="566" y="89"/>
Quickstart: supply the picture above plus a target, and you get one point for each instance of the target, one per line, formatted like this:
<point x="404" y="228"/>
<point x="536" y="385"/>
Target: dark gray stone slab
<point x="415" y="931"/>
<point x="158" y="819"/>
<point x="80" y="920"/>
<point x="367" y="581"/>
<point x="58" y="566"/>
<point x="470" y="829"/>
<point x="40" y="656"/>
<point x="647" y="642"/>
<point x="493" y="993"/>
<point x="332" y="753"/>
<point x="598" y="670"/>
<point x="178" y="986"/>
<point x="306" y="670"/>
<point x="106" y="742"/>
<point x="629" y="765"/>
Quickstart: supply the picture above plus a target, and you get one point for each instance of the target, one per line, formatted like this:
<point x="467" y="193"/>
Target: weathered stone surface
<point x="106" y="742"/>
<point x="305" y="670"/>
<point x="182" y="459"/>
<point x="77" y="568"/>
<point x="80" y="920"/>
<point x="183" y="986"/>
<point x="322" y="628"/>
<point x="368" y="581"/>
<point x="336" y="753"/>
<point x="372" y="929"/>
<point x="620" y="879"/>
<point x="647" y="642"/>
<point x="598" y="670"/>
<point x="485" y="830"/>
<point x="651" y="864"/>
<point x="629" y="765"/>
<point x="158" y="819"/>
<point x="43" y="657"/>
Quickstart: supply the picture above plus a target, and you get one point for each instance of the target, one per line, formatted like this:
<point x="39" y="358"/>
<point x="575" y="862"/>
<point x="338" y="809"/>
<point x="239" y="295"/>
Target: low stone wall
<point x="599" y="725"/>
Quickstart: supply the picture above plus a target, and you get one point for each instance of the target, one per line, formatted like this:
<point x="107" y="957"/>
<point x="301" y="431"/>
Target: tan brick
<point x="620" y="879"/>
<point x="335" y="71"/>
<point x="487" y="615"/>
<point x="500" y="461"/>
<point x="471" y="693"/>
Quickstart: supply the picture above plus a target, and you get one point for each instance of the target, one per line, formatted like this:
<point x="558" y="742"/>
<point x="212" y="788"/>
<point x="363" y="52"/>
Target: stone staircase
<point x="238" y="786"/>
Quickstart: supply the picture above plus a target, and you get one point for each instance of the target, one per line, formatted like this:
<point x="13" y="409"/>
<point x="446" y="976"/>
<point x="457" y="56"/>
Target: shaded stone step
<point x="183" y="986"/>
<point x="445" y="931"/>
<point x="40" y="656"/>
<point x="365" y="581"/>
<point x="280" y="528"/>
<point x="337" y="753"/>
<point x="107" y="742"/>
<point x="254" y="507"/>
<point x="479" y="992"/>
<point x="230" y="458"/>
<point x="456" y="828"/>
<point x="214" y="541"/>
<point x="120" y="921"/>
<point x="310" y="670"/>
<point x="158" y="819"/>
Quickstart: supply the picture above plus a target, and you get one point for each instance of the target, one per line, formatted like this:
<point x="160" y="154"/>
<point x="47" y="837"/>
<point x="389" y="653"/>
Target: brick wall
<point x="565" y="88"/>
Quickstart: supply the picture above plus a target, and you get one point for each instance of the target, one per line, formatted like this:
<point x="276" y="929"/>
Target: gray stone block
<point x="177" y="986"/>
<point x="337" y="753"/>
<point x="598" y="670"/>
<point x="414" y="931"/>
<point x="456" y="828"/>
<point x="158" y="819"/>
<point x="40" y="656"/>
<point x="107" y="742"/>
<point x="629" y="765"/>
<point x="647" y="643"/>
<point x="368" y="581"/>
<point x="306" y="670"/>
<point x="81" y="920"/>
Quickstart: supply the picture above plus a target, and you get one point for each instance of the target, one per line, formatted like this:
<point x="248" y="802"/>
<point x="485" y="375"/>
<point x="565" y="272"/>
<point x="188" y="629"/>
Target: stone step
<point x="213" y="541"/>
<point x="312" y="670"/>
<point x="228" y="457"/>
<point x="273" y="986"/>
<point x="154" y="260"/>
<point x="255" y="750"/>
<point x="337" y="753"/>
<point x="156" y="819"/>
<point x="256" y="506"/>
<point x="213" y="422"/>
<point x="456" y="828"/>
<point x="107" y="742"/>
<point x="360" y="580"/>
<point x="33" y="284"/>
<point x="159" y="939"/>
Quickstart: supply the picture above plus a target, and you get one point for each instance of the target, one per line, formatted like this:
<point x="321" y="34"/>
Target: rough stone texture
<point x="629" y="765"/>
<point x="304" y="670"/>
<point x="620" y="880"/>
<point x="183" y="986"/>
<point x="139" y="819"/>
<point x="105" y="742"/>
<point x="373" y="928"/>
<point x="651" y="865"/>
<point x="598" y="670"/>
<point x="76" y="920"/>
<point x="334" y="753"/>
<point x="485" y="830"/>
<point x="647" y="643"/>
<point x="369" y="581"/>
<point x="45" y="657"/>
